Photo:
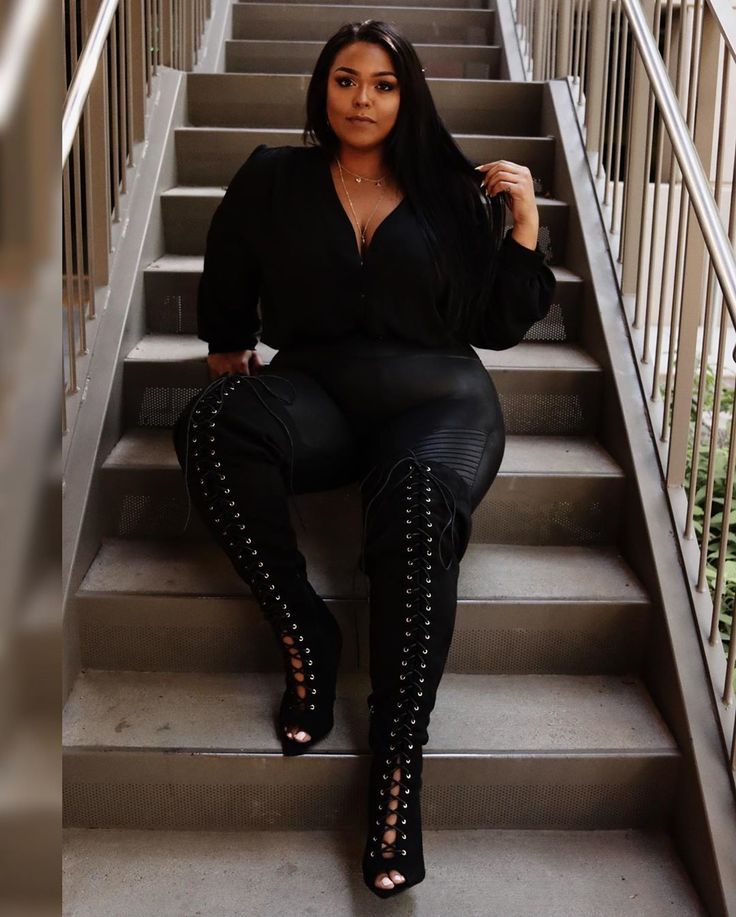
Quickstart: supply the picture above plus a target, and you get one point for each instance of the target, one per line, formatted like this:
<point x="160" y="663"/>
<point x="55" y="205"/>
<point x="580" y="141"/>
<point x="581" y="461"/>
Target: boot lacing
<point x="224" y="514"/>
<point x="420" y="537"/>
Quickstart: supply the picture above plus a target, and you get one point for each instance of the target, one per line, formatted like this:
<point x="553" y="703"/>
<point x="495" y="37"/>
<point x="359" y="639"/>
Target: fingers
<point x="239" y="363"/>
<point x="503" y="171"/>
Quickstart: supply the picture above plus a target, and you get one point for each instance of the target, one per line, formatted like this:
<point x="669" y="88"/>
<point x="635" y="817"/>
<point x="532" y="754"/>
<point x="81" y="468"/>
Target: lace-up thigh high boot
<point x="417" y="519"/>
<point x="232" y="442"/>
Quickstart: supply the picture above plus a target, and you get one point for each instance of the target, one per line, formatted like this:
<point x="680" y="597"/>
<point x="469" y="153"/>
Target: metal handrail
<point x="84" y="74"/>
<point x="15" y="54"/>
<point x="715" y="237"/>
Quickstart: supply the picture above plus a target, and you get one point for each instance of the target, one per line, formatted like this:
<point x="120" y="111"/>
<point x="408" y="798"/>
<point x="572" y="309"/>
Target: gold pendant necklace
<point x="361" y="229"/>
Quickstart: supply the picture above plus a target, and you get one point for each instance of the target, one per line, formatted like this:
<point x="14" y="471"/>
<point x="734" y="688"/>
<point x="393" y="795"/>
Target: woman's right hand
<point x="242" y="362"/>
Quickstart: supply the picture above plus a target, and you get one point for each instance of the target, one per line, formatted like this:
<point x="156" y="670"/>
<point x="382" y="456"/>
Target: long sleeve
<point x="521" y="294"/>
<point x="228" y="293"/>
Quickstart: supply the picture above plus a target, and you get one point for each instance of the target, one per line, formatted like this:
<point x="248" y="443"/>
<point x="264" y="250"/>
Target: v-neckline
<point x="346" y="216"/>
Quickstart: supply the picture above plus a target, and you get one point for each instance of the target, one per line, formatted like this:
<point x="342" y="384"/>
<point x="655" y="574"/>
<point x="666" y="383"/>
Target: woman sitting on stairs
<point x="378" y="256"/>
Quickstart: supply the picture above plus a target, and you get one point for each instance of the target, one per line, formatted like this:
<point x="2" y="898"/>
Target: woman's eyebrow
<point x="380" y="72"/>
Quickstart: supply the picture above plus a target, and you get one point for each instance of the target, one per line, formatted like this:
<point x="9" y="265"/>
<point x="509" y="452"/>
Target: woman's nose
<point x="362" y="96"/>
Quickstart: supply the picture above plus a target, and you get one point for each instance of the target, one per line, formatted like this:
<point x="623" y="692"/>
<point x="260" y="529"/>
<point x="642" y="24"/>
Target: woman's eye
<point x="387" y="87"/>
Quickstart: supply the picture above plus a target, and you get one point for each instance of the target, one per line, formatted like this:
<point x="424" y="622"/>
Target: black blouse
<point x="281" y="235"/>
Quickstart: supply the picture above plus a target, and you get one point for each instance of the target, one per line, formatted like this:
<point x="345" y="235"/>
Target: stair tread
<point x="550" y="873"/>
<point x="535" y="355"/>
<point x="218" y="192"/>
<point x="318" y="44"/>
<point x="354" y="8"/>
<point x="194" y="263"/>
<point x="495" y="571"/>
<point x="144" y="449"/>
<point x="474" y="714"/>
<point x="296" y="133"/>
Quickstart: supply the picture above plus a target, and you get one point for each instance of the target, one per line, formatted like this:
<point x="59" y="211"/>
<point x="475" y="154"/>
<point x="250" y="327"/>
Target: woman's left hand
<point x="515" y="182"/>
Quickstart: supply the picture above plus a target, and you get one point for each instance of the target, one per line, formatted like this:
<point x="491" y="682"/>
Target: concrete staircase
<point x="550" y="774"/>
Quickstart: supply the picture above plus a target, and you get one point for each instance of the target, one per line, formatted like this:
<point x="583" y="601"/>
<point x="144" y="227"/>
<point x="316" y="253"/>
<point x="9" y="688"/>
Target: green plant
<point x="720" y="471"/>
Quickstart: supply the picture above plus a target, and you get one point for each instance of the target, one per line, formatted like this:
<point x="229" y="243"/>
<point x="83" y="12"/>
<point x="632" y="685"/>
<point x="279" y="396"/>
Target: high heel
<point x="318" y="645"/>
<point x="405" y="854"/>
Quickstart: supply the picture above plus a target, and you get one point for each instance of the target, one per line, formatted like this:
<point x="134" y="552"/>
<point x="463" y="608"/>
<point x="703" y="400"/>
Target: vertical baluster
<point x="604" y="96"/>
<point x="68" y="287"/>
<point x="596" y="67"/>
<point x="618" y="130"/>
<point x="123" y="95"/>
<point x="634" y="236"/>
<point x="610" y="132"/>
<point x="148" y="33"/>
<point x="88" y="209"/>
<point x="156" y="35"/>
<point x="582" y="64"/>
<point x="78" y="239"/>
<point x="675" y="179"/>
<point x="129" y="84"/>
<point x="562" y="39"/>
<point x="112" y="46"/>
<point x="659" y="162"/>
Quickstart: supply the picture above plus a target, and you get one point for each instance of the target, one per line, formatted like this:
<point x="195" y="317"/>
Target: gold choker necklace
<point x="360" y="178"/>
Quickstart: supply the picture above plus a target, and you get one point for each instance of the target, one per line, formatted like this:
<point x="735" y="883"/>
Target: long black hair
<point x="464" y="228"/>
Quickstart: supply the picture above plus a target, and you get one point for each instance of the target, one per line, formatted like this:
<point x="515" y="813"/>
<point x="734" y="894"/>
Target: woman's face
<point x="362" y="84"/>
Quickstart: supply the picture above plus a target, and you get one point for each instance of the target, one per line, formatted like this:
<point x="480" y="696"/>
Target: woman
<point x="377" y="255"/>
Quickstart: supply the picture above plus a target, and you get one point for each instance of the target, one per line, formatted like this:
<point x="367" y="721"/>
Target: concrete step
<point x="187" y="213"/>
<point x="278" y="101"/>
<point x="549" y="490"/>
<point x="317" y="22"/>
<point x="200" y="751"/>
<point x="449" y="61"/>
<point x="523" y="873"/>
<point x="544" y="388"/>
<point x="210" y="156"/>
<point x="179" y="606"/>
<point x="171" y="300"/>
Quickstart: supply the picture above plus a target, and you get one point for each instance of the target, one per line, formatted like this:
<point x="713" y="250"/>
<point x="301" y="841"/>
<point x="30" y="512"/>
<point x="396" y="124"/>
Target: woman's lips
<point x="361" y="121"/>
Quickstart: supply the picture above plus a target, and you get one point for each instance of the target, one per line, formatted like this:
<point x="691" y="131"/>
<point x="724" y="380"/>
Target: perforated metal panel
<point x="485" y="651"/>
<point x="160" y="406"/>
<point x="159" y="648"/>
<point x="475" y="651"/>
<point x="546" y="412"/>
<point x="294" y="806"/>
<point x="534" y="806"/>
<point x="555" y="326"/>
<point x="497" y="520"/>
<point x="545" y="243"/>
<point x="562" y="522"/>
<point x="201" y="805"/>
<point x="167" y="315"/>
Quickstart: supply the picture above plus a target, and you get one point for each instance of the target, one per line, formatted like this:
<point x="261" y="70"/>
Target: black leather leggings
<point x="356" y="405"/>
